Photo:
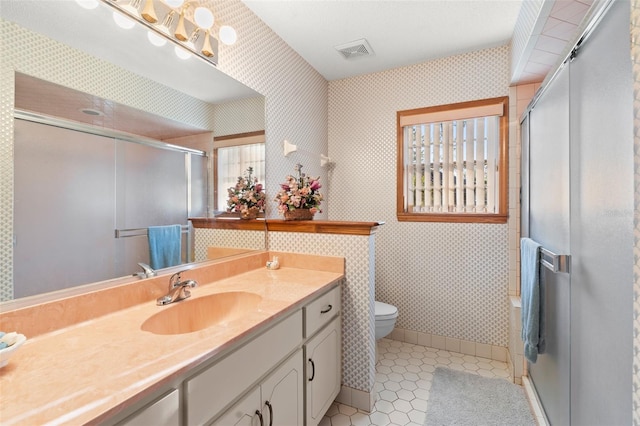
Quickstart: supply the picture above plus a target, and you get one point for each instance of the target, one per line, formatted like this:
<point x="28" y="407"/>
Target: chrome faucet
<point x="177" y="290"/>
<point x="147" y="271"/>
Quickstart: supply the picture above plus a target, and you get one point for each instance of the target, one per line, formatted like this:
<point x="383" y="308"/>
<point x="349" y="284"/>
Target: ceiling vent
<point x="355" y="49"/>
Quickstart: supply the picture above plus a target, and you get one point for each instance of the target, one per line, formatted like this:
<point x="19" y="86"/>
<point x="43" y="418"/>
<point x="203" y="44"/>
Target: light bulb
<point x="88" y="4"/>
<point x="155" y="39"/>
<point x="228" y="35"/>
<point x="182" y="53"/>
<point x="122" y="21"/>
<point x="203" y="17"/>
<point x="174" y="3"/>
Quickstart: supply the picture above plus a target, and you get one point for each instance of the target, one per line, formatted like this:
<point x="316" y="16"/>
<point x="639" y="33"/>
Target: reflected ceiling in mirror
<point x="50" y="99"/>
<point x="96" y="33"/>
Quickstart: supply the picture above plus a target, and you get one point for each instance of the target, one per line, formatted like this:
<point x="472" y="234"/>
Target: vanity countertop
<point x="90" y="371"/>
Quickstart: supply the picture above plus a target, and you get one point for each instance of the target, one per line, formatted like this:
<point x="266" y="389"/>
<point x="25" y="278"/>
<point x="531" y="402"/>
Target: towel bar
<point x="136" y="232"/>
<point x="555" y="262"/>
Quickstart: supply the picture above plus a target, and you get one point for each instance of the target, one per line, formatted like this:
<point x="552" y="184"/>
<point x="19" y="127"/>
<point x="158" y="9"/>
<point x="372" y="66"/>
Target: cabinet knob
<point x="327" y="309"/>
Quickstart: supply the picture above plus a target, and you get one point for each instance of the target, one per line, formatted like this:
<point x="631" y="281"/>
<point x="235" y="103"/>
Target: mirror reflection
<point x="92" y="174"/>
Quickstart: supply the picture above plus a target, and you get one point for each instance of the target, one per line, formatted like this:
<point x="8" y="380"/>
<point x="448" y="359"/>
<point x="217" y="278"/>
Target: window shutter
<point x="451" y="165"/>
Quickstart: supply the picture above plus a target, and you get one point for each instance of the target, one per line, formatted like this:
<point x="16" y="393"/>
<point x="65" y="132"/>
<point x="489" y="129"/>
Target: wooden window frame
<point x="503" y="166"/>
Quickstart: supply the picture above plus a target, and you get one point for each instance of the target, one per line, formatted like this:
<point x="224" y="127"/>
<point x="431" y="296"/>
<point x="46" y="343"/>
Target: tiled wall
<point x="520" y="96"/>
<point x="447" y="279"/>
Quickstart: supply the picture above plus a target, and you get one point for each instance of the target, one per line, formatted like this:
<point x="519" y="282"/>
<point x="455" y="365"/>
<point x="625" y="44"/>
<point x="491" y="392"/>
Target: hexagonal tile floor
<point x="403" y="379"/>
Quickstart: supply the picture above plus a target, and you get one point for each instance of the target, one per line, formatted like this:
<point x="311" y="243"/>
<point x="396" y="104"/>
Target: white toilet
<point x="385" y="319"/>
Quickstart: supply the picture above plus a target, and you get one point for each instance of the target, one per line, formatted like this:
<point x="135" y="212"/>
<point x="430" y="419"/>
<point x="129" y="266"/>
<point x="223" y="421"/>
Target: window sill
<point x="452" y="217"/>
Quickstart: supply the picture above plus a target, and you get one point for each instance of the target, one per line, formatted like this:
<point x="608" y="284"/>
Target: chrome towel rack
<point x="555" y="262"/>
<point x="137" y="232"/>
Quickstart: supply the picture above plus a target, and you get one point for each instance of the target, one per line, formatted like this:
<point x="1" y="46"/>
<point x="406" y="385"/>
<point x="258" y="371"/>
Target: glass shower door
<point x="549" y="214"/>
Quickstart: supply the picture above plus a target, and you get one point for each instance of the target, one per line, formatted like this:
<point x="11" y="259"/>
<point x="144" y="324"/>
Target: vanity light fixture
<point x="189" y="24"/>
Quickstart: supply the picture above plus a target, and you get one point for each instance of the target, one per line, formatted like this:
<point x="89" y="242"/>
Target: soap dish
<point x="6" y="353"/>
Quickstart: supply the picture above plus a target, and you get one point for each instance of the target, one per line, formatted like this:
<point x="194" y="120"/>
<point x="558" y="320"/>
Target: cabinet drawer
<point x="321" y="310"/>
<point x="210" y="391"/>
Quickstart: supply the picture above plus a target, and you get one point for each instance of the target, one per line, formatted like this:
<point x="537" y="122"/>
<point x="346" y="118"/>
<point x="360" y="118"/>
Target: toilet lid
<point x="385" y="311"/>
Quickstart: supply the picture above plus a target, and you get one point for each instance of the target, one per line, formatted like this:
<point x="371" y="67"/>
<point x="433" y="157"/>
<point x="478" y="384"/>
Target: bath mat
<point x="459" y="398"/>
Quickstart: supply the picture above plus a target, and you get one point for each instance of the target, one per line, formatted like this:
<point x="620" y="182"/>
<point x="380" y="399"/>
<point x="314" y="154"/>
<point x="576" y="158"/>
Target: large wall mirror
<point x="100" y="108"/>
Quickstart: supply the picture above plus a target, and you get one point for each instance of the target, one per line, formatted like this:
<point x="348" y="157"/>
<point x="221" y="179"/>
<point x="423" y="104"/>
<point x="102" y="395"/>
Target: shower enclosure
<point x="578" y="199"/>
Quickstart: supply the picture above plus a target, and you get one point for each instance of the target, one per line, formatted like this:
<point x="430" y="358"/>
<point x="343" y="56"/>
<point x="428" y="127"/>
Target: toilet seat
<point x="385" y="311"/>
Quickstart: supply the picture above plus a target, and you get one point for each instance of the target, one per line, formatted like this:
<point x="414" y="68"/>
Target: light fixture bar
<point x="203" y="45"/>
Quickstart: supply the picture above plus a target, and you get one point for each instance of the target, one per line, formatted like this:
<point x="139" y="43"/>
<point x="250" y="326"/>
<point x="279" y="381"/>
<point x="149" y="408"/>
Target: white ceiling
<point x="400" y="32"/>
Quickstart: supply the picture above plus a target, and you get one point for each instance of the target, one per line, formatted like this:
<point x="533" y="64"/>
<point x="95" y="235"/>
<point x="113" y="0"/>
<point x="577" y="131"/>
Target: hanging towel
<point x="165" y="246"/>
<point x="532" y="294"/>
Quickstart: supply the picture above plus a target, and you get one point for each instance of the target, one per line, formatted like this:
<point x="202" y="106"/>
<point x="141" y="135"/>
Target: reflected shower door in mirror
<point x="102" y="83"/>
<point x="72" y="188"/>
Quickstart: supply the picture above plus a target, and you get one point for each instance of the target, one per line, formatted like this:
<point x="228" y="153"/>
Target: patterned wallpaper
<point x="227" y="238"/>
<point x="239" y="116"/>
<point x="446" y="279"/>
<point x="358" y="341"/>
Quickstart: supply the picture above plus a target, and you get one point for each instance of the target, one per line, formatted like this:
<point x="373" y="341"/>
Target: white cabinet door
<point x="282" y="393"/>
<point x="277" y="401"/>
<point x="244" y="413"/>
<point x="323" y="371"/>
<point x="219" y="385"/>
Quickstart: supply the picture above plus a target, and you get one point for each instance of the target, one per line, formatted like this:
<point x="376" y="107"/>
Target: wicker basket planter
<point x="298" y="214"/>
<point x="250" y="213"/>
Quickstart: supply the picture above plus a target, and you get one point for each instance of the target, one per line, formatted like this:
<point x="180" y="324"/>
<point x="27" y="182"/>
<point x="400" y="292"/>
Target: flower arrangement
<point x="247" y="196"/>
<point x="299" y="193"/>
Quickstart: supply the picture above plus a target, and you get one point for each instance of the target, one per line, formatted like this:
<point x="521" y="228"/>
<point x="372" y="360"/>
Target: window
<point x="232" y="155"/>
<point x="453" y="162"/>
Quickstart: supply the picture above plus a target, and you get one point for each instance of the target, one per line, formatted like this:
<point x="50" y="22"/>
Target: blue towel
<point x="165" y="246"/>
<point x="532" y="294"/>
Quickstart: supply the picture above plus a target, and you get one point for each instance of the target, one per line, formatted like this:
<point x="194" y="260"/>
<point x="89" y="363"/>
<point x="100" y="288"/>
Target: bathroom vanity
<point x="273" y="358"/>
